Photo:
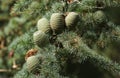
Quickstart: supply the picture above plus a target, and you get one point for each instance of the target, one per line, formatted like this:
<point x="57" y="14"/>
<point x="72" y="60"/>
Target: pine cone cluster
<point x="57" y="24"/>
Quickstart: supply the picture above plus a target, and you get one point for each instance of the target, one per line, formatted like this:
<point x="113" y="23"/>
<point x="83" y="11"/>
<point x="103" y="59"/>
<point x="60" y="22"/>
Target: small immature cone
<point x="99" y="17"/>
<point x="57" y="22"/>
<point x="44" y="25"/>
<point x="40" y="38"/>
<point x="71" y="20"/>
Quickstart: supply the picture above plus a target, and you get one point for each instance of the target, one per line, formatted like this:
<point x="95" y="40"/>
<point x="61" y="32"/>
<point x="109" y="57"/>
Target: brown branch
<point x="5" y="70"/>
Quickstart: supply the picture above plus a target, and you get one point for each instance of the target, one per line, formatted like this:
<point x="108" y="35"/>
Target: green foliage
<point x="78" y="46"/>
<point x="83" y="52"/>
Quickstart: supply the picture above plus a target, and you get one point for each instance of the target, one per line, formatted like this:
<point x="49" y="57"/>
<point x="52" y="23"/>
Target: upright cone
<point x="40" y="38"/>
<point x="71" y="20"/>
<point x="57" y="22"/>
<point x="43" y="25"/>
<point x="33" y="64"/>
